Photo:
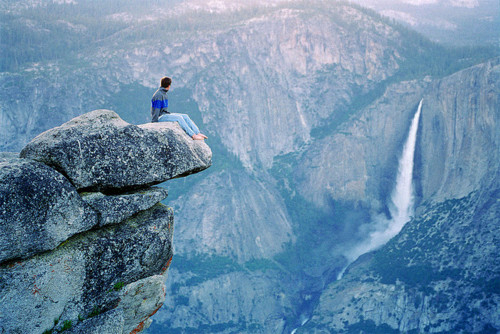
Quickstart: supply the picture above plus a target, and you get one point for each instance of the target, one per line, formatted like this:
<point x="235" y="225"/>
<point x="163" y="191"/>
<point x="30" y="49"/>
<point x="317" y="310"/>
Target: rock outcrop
<point x="113" y="209"/>
<point x="89" y="262"/>
<point x="100" y="151"/>
<point x="39" y="209"/>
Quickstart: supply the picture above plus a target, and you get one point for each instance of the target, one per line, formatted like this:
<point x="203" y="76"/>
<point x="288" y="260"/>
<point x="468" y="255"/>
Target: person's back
<point x="159" y="102"/>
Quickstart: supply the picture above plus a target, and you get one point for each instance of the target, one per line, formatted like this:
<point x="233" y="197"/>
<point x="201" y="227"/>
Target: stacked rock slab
<point x="84" y="241"/>
<point x="100" y="151"/>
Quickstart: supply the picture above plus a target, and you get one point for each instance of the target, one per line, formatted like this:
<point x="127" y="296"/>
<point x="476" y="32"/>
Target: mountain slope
<point x="440" y="273"/>
<point x="306" y="105"/>
<point x="462" y="22"/>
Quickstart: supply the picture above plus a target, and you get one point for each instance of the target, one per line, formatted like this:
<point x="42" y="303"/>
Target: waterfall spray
<point x="402" y="199"/>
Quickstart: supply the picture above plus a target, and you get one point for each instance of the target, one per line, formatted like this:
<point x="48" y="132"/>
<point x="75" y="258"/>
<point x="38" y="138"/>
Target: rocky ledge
<point x="85" y="243"/>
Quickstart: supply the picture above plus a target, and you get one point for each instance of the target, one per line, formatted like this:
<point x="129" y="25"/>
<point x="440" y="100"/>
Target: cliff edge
<point x="85" y="243"/>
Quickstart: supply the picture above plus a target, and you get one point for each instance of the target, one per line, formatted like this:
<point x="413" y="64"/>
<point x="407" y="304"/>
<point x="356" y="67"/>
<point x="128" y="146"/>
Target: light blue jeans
<point x="184" y="121"/>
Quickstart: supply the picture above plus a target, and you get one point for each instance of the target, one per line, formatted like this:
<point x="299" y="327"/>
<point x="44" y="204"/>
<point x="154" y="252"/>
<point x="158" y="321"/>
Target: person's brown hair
<point x="165" y="82"/>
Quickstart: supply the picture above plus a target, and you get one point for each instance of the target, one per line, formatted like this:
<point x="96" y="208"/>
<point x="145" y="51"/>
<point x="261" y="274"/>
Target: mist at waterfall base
<point x="401" y="207"/>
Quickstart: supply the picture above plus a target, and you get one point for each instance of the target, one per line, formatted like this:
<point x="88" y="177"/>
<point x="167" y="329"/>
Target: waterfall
<point x="402" y="198"/>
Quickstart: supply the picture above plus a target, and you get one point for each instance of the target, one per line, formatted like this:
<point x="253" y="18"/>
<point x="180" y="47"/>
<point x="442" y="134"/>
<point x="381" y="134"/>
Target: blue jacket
<point x="159" y="104"/>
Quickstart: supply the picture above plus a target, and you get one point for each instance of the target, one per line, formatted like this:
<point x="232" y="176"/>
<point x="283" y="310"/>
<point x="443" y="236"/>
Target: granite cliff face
<point x="460" y="133"/>
<point x="89" y="262"/>
<point x="456" y="150"/>
<point x="306" y="104"/>
<point x="440" y="273"/>
<point x="356" y="165"/>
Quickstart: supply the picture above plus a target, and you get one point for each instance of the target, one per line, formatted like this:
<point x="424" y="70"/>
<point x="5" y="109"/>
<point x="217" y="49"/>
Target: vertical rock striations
<point x="441" y="273"/>
<point x="89" y="262"/>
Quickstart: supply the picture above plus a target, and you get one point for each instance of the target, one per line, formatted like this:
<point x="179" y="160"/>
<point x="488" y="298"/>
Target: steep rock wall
<point x="358" y="162"/>
<point x="440" y="273"/>
<point x="296" y="52"/>
<point x="460" y="137"/>
<point x="266" y="231"/>
<point x="89" y="262"/>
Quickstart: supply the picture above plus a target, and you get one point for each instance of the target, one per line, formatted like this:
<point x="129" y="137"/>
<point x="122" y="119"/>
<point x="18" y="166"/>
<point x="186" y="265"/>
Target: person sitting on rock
<point x="159" y="112"/>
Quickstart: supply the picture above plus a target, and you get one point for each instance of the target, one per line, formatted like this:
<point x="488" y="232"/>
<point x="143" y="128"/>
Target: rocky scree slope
<point x="84" y="241"/>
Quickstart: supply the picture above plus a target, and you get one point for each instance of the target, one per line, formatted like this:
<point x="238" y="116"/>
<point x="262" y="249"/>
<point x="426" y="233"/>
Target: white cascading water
<point x="402" y="198"/>
<point x="401" y="206"/>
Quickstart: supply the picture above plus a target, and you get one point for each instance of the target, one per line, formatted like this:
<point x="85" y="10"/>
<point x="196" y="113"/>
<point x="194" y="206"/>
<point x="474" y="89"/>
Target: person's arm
<point x="155" y="113"/>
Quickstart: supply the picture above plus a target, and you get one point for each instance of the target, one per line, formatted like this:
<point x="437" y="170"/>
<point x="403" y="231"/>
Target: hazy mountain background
<point x="451" y="22"/>
<point x="307" y="105"/>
